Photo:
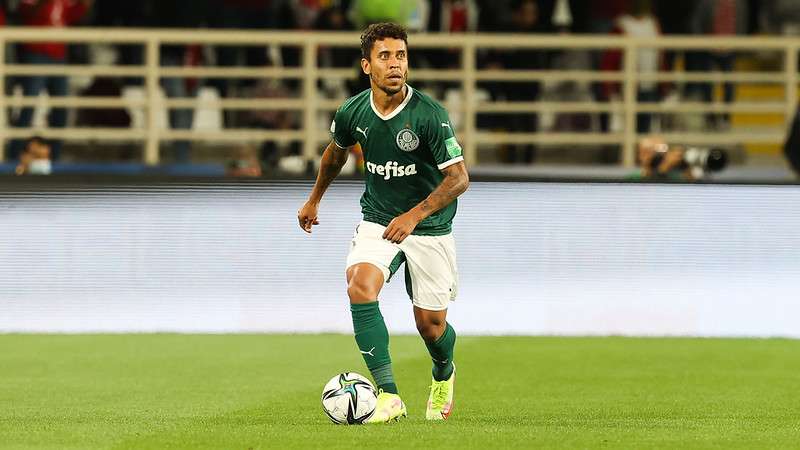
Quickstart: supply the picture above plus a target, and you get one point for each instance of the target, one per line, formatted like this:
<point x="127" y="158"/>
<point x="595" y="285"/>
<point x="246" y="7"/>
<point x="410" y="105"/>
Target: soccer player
<point x="414" y="173"/>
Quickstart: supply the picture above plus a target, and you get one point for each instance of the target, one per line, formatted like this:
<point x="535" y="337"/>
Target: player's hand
<point x="307" y="216"/>
<point x="400" y="228"/>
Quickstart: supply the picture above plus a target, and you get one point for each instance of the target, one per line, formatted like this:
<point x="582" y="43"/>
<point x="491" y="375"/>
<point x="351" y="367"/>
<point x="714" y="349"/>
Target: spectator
<point x="2" y="24"/>
<point x="246" y="15"/>
<point x="7" y="82"/>
<point x="673" y="17"/>
<point x="114" y="13"/>
<point x="335" y="18"/>
<point x="179" y="14"/>
<point x="35" y="158"/>
<point x="525" y="19"/>
<point x="780" y="17"/>
<point x="791" y="148"/>
<point x="579" y="11"/>
<point x="493" y="15"/>
<point x="640" y="23"/>
<point x="716" y="18"/>
<point x="605" y="13"/>
<point x="567" y="90"/>
<point x="453" y="16"/>
<point x="446" y="16"/>
<point x="450" y="16"/>
<point x="245" y="163"/>
<point x="306" y="12"/>
<point x="46" y="13"/>
<point x="272" y="151"/>
<point x="103" y="117"/>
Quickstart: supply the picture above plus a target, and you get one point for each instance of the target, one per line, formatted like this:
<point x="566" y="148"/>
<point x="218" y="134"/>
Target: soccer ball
<point x="349" y="398"/>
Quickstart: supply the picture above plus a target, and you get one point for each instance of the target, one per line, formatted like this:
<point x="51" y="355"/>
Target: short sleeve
<point x="340" y="130"/>
<point x="442" y="140"/>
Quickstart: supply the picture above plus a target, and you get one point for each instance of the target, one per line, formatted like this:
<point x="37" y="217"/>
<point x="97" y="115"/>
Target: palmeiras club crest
<point x="407" y="140"/>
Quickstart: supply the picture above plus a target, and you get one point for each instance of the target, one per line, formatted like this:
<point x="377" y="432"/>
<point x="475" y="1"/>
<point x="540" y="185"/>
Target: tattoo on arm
<point x="454" y="184"/>
<point x="450" y="188"/>
<point x="425" y="205"/>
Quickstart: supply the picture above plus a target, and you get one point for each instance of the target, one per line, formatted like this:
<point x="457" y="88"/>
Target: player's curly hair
<point x="379" y="31"/>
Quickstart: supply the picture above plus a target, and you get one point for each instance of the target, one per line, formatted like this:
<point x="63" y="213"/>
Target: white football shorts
<point x="431" y="273"/>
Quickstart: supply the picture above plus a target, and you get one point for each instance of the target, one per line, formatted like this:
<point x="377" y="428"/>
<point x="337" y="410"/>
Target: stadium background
<point x="229" y="91"/>
<point x="573" y="255"/>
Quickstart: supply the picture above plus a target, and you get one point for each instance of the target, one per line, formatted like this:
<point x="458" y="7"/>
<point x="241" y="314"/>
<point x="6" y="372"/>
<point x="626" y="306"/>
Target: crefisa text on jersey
<point x="391" y="169"/>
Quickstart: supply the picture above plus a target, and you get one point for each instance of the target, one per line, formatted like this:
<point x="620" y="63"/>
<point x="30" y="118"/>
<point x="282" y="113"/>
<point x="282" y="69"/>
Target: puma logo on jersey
<point x="445" y="125"/>
<point x="391" y="169"/>
<point x="364" y="131"/>
<point x="367" y="353"/>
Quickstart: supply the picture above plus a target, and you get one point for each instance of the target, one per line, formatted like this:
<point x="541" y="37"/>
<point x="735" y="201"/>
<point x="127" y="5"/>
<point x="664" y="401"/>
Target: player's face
<point x="388" y="65"/>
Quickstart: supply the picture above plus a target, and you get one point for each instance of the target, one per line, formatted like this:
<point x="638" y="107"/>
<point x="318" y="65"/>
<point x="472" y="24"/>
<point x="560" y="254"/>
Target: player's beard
<point x="390" y="91"/>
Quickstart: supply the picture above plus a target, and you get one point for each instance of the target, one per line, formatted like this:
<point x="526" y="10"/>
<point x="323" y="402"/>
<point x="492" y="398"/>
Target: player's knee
<point x="360" y="291"/>
<point x="430" y="329"/>
<point x="364" y="283"/>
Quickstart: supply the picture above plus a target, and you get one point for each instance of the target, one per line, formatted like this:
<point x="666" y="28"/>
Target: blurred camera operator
<point x="660" y="161"/>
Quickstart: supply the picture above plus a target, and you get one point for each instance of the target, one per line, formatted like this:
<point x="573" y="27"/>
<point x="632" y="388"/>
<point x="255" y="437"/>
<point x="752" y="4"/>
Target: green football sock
<point x="442" y="354"/>
<point x="372" y="338"/>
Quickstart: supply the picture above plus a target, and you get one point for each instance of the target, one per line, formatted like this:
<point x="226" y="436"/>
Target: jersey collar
<point x="396" y="110"/>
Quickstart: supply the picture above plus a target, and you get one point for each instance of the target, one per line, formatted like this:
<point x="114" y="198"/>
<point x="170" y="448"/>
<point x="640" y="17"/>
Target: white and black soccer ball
<point x="349" y="398"/>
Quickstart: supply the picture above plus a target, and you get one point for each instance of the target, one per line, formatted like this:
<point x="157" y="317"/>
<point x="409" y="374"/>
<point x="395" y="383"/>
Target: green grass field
<point x="262" y="391"/>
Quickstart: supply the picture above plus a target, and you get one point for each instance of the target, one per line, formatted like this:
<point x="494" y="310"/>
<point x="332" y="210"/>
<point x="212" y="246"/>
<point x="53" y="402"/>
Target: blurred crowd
<point x="588" y="16"/>
<point x="629" y="17"/>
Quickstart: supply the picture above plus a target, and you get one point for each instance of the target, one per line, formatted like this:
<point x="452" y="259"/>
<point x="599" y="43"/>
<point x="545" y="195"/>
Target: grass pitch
<point x="262" y="391"/>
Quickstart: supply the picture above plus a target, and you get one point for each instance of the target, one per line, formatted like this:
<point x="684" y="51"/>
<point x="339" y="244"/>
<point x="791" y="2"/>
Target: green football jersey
<point x="404" y="154"/>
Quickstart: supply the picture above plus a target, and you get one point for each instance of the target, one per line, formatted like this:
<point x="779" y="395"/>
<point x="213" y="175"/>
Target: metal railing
<point x="311" y="101"/>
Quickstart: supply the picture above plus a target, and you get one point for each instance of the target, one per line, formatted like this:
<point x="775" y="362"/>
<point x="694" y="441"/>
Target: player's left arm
<point x="455" y="183"/>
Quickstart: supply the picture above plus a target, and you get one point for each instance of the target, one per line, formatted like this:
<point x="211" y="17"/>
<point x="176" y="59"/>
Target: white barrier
<point x="539" y="258"/>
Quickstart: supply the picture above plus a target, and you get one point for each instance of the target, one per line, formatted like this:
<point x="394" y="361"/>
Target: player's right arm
<point x="333" y="159"/>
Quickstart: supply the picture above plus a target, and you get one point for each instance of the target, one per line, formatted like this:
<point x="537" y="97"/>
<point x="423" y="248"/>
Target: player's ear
<point x="365" y="65"/>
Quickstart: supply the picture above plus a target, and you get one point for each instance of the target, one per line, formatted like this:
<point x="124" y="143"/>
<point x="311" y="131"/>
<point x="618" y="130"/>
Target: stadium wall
<point x="535" y="258"/>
